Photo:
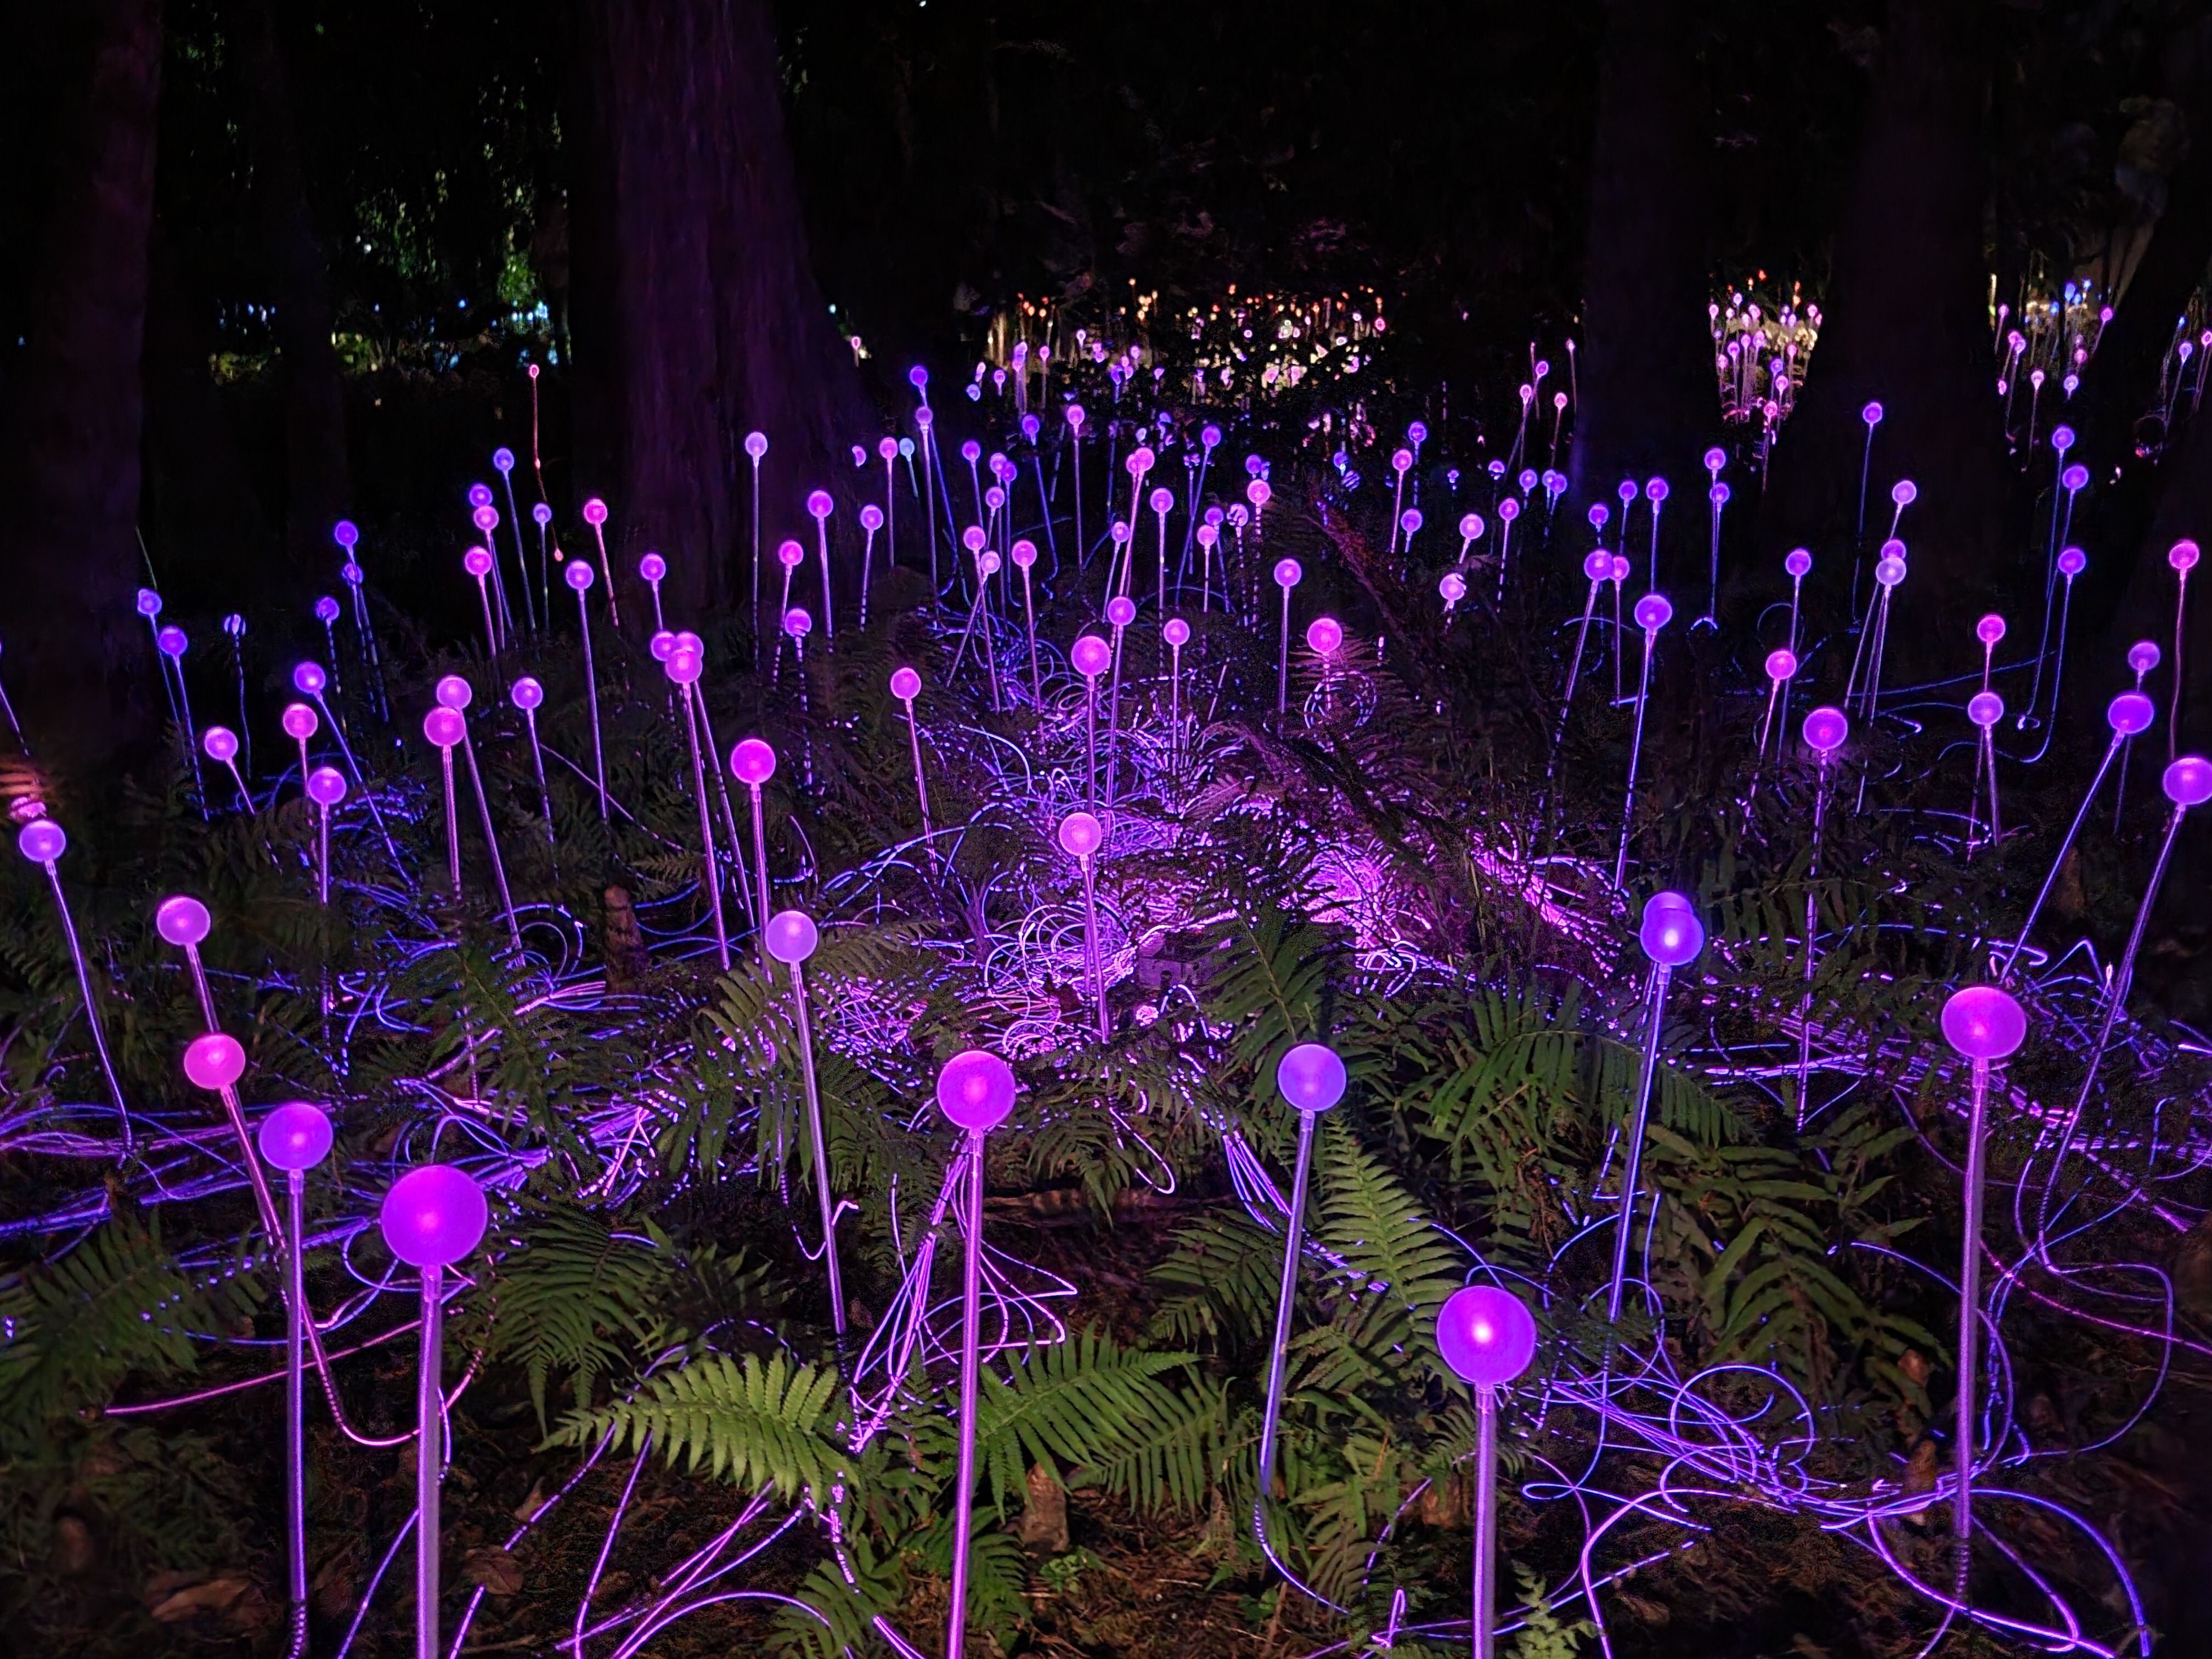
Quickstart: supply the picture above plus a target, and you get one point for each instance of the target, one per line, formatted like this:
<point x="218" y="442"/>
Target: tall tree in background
<point x="70" y="444"/>
<point x="1906" y="324"/>
<point x="695" y="312"/>
<point x="1649" y="404"/>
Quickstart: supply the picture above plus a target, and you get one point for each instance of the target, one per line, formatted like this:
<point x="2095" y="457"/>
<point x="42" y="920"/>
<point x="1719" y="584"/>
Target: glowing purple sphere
<point x="662" y="643"/>
<point x="326" y="785"/>
<point x="1654" y="490"/>
<point x="214" y="1060"/>
<point x="595" y="512"/>
<point x="1871" y="414"/>
<point x="326" y="609"/>
<point x="502" y="459"/>
<point x="2130" y="714"/>
<point x="1091" y="655"/>
<point x="2188" y="781"/>
<point x="1176" y="632"/>
<point x="171" y="641"/>
<point x="1311" y="1076"/>
<point x="1990" y="629"/>
<point x="819" y="504"/>
<point x="790" y="936"/>
<point x="527" y="693"/>
<point x="578" y="575"/>
<point x="149" y="603"/>
<point x="1825" y="730"/>
<point x="755" y="446"/>
<point x="1487" y="1335"/>
<point x="1258" y="493"/>
<point x="685" y="665"/>
<point x="1470" y="525"/>
<point x="1081" y="834"/>
<point x="906" y="684"/>
<point x="1781" y="664"/>
<point x="41" y="841"/>
<point x="221" y="744"/>
<point x="1671" y="934"/>
<point x="790" y="554"/>
<point x="299" y="722"/>
<point x="476" y="562"/>
<point x="1616" y="569"/>
<point x="1023" y="553"/>
<point x="652" y="567"/>
<point x="2182" y="556"/>
<point x="479" y="495"/>
<point x="1982" y="1022"/>
<point x="1120" y="610"/>
<point x="2072" y="561"/>
<point x="753" y="762"/>
<point x="1798" y="563"/>
<point x="975" y="1090"/>
<point x="1985" y="709"/>
<point x="2143" y="656"/>
<point x="799" y="622"/>
<point x="1598" y="564"/>
<point x="452" y="691"/>
<point x="1599" y="515"/>
<point x="309" y="680"/>
<point x="1904" y="492"/>
<point x="1161" y="501"/>
<point x="345" y="534"/>
<point x="1452" y="586"/>
<point x="444" y="727"/>
<point x="1889" y="571"/>
<point x="1653" y="612"/>
<point x="1324" y="637"/>
<point x="2075" y="477"/>
<point x="434" y="1216"/>
<point x="182" y="920"/>
<point x="1716" y="458"/>
<point x="295" y="1136"/>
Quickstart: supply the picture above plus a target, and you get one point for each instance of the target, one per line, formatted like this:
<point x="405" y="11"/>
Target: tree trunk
<point x="1649" y="406"/>
<point x="316" y="473"/>
<point x="79" y="664"/>
<point x="1906" y="326"/>
<point x="695" y="314"/>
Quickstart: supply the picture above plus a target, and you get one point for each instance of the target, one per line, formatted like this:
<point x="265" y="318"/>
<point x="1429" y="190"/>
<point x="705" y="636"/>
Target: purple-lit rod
<point x="1023" y="554"/>
<point x="1287" y="574"/>
<point x="579" y="578"/>
<point x="327" y="787"/>
<point x="595" y="515"/>
<point x="1487" y="1336"/>
<point x="791" y="936"/>
<point x="2072" y="563"/>
<point x="752" y="763"/>
<point x="2130" y="715"/>
<point x="1090" y="656"/>
<point x="1653" y="613"/>
<point x="42" y="840"/>
<point x="295" y="1137"/>
<point x="2181" y="556"/>
<point x="454" y="693"/>
<point x="906" y="686"/>
<point x="1825" y="730"/>
<point x="975" y="1091"/>
<point x="1080" y="837"/>
<point x="526" y="693"/>
<point x="1671" y="936"/>
<point x="684" y="666"/>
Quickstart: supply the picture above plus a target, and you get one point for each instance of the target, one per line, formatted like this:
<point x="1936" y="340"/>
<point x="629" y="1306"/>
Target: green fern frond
<point x="750" y="1421"/>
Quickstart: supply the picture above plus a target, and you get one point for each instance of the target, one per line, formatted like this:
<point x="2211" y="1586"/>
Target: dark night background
<point x="264" y="265"/>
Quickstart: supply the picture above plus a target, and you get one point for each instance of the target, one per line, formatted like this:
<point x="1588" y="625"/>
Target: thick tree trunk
<point x="316" y="474"/>
<point x="79" y="664"/>
<point x="695" y="314"/>
<point x="1906" y="326"/>
<point x="1649" y="406"/>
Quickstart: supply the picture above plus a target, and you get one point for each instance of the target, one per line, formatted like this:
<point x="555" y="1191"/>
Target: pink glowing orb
<point x="887" y="449"/>
<point x="309" y="680"/>
<point x="1074" y="412"/>
<point x="1210" y="436"/>
<point x="906" y="684"/>
<point x="353" y="573"/>
<point x="434" y="1216"/>
<point x="1889" y="571"/>
<point x="299" y="722"/>
<point x="972" y="538"/>
<point x="1208" y="534"/>
<point x="1617" y="571"/>
<point x="2188" y="781"/>
<point x="1904" y="492"/>
<point x="1990" y="629"/>
<point x="221" y="744"/>
<point x="1985" y="708"/>
<point x="871" y="518"/>
<point x="453" y="692"/>
<point x="1470" y="526"/>
<point x="1655" y="489"/>
<point x="662" y="643"/>
<point x="1718" y="495"/>
<point x="1238" y="515"/>
<point x="1509" y="509"/>
<point x="171" y="641"/>
<point x="752" y="762"/>
<point x="326" y="785"/>
<point x="789" y="555"/>
<point x="444" y="727"/>
<point x="1452" y="586"/>
<point x="541" y="514"/>
<point x="1120" y="610"/>
<point x="1598" y="564"/>
<point x="486" y="518"/>
<point x="595" y="512"/>
<point x="1091" y="655"/>
<point x="1716" y="458"/>
<point x="819" y="505"/>
<point x="1599" y="515"/>
<point x="526" y="693"/>
<point x="755" y="446"/>
<point x="2072" y="561"/>
<point x="2143" y="656"/>
<point x="1781" y="664"/>
<point x="578" y="575"/>
<point x="987" y="562"/>
<point x="2130" y="714"/>
<point x="798" y="622"/>
<point x="1871" y="414"/>
<point x="1671" y="934"/>
<point x="687" y="641"/>
<point x="326" y="609"/>
<point x="1982" y="1022"/>
<point x="1324" y="636"/>
<point x="1161" y="501"/>
<point x="149" y="603"/>
<point x="345" y="534"/>
<point x="1487" y="1335"/>
<point x="975" y="1090"/>
<point x="1311" y="1076"/>
<point x="1401" y="460"/>
<point x="685" y="665"/>
<point x="1258" y="493"/>
<point x="1410" y="521"/>
<point x="1023" y="553"/>
<point x="652" y="567"/>
<point x="1798" y="564"/>
<point x="924" y="416"/>
<point x="41" y="841"/>
<point x="1825" y="730"/>
<point x="295" y="1136"/>
<point x="790" y="936"/>
<point x="214" y="1060"/>
<point x="1288" y="572"/>
<point x="479" y="495"/>
<point x="476" y="562"/>
<point x="182" y="920"/>
<point x="502" y="459"/>
<point x="1176" y="633"/>
<point x="1653" y="612"/>
<point x="2182" y="556"/>
<point x="1142" y="460"/>
<point x="1080" y="834"/>
<point x="2061" y="438"/>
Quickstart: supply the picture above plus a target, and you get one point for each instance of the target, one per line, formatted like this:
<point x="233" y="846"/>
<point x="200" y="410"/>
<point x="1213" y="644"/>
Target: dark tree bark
<point x="79" y="662"/>
<point x="1906" y="326"/>
<point x="1649" y="405"/>
<point x="695" y="314"/>
<point x="316" y="474"/>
